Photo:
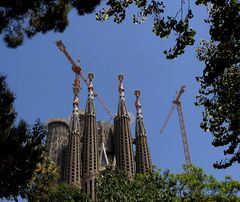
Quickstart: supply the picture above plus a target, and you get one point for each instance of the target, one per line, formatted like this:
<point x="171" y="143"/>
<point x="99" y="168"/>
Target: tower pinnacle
<point x="121" y="88"/>
<point x="90" y="85"/>
<point x="123" y="139"/>
<point x="138" y="106"/>
<point x="72" y="169"/>
<point x="76" y="89"/>
<point x="90" y="148"/>
<point x="143" y="160"/>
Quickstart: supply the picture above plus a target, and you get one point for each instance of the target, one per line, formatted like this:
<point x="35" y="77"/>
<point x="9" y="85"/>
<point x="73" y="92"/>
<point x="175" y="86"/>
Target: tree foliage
<point x="45" y="177"/>
<point x="191" y="185"/>
<point x="66" y="193"/>
<point x="220" y="82"/>
<point x="194" y="185"/>
<point x="21" y="19"/>
<point x="116" y="186"/>
<point x="20" y="146"/>
<point x="163" y="25"/>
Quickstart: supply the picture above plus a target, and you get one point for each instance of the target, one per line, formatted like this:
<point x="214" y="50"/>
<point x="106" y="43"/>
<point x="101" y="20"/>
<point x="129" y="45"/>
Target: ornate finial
<point x="121" y="88"/>
<point x="76" y="89"/>
<point x="137" y="103"/>
<point x="90" y="76"/>
<point x="90" y="84"/>
<point x="137" y="93"/>
<point x="76" y="86"/>
<point x="120" y="77"/>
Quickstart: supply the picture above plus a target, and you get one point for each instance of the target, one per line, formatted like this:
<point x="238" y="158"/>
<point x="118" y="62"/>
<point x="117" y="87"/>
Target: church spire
<point x="123" y="139"/>
<point x="90" y="149"/>
<point x="122" y="108"/>
<point x="72" y="170"/>
<point x="143" y="160"/>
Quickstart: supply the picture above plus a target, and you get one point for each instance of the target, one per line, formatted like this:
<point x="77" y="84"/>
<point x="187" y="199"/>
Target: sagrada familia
<point x="83" y="147"/>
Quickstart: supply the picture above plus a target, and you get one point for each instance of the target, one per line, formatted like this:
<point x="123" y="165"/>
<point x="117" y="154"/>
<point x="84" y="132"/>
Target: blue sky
<point x="41" y="78"/>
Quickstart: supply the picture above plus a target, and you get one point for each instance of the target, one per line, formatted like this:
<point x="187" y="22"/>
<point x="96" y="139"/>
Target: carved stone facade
<point x="82" y="147"/>
<point x="58" y="137"/>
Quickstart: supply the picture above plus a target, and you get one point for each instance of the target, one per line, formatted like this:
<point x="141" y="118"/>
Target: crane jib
<point x="77" y="69"/>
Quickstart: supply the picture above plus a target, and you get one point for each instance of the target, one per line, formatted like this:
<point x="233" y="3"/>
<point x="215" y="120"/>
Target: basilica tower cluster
<point x="83" y="147"/>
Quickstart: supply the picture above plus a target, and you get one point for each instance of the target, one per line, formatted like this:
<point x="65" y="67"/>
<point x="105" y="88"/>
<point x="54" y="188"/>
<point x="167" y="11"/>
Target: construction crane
<point x="177" y="103"/>
<point x="78" y="70"/>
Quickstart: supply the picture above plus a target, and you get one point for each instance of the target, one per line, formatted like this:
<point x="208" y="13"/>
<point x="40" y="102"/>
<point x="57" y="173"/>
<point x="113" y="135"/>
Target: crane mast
<point x="78" y="71"/>
<point x="177" y="104"/>
<point x="184" y="134"/>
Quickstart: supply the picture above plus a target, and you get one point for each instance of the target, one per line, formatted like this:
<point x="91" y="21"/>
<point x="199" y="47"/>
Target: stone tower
<point x="90" y="147"/>
<point x="73" y="157"/>
<point x="143" y="159"/>
<point x="123" y="139"/>
<point x="57" y="141"/>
